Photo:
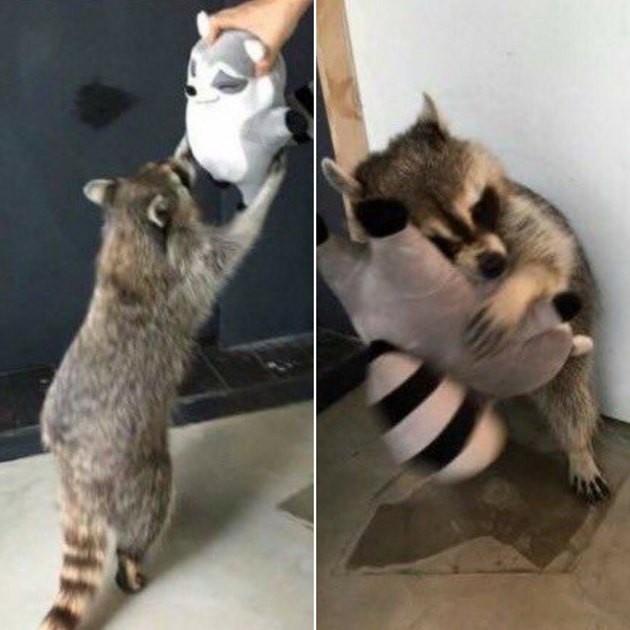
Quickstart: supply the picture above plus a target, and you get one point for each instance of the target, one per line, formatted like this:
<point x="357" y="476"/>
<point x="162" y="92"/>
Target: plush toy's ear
<point x="203" y="24"/>
<point x="99" y="191"/>
<point x="341" y="181"/>
<point x="157" y="212"/>
<point x="431" y="115"/>
<point x="255" y="49"/>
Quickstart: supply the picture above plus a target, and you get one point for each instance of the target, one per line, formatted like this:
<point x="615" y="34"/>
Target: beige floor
<point x="510" y="550"/>
<point x="233" y="557"/>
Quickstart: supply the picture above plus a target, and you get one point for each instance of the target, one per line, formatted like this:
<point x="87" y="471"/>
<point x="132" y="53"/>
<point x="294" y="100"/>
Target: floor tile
<point x="230" y="559"/>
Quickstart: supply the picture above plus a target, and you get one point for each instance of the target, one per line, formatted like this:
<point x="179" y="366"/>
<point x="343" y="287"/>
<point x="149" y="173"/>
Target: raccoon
<point x="106" y="414"/>
<point x="495" y="230"/>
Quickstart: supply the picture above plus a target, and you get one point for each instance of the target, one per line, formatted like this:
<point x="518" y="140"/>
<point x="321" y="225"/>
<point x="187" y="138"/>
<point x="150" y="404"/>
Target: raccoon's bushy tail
<point x="81" y="574"/>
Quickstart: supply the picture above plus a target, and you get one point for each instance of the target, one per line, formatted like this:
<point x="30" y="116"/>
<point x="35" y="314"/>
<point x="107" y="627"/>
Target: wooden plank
<point x="340" y="92"/>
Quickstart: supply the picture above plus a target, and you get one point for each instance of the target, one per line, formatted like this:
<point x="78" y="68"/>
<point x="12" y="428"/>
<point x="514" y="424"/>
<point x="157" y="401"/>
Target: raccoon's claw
<point x="592" y="491"/>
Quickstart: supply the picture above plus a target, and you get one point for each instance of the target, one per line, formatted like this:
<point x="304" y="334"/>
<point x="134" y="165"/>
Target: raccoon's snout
<point x="491" y="264"/>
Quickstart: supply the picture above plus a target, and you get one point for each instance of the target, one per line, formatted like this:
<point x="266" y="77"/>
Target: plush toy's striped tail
<point x="431" y="420"/>
<point x="81" y="575"/>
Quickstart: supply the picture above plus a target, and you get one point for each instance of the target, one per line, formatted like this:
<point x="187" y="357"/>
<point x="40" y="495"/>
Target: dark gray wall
<point x="273" y="295"/>
<point x="330" y="314"/>
<point x="48" y="233"/>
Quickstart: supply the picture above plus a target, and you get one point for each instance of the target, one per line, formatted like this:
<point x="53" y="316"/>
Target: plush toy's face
<point x="454" y="190"/>
<point x="224" y="74"/>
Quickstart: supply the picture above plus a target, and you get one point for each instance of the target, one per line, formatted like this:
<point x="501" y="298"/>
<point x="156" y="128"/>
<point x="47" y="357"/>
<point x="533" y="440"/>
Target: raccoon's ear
<point x="431" y="115"/>
<point x="157" y="212"/>
<point x="99" y="191"/>
<point x="341" y="181"/>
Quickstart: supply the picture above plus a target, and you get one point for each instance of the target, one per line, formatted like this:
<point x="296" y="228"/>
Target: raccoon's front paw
<point x="492" y="325"/>
<point x="278" y="166"/>
<point x="582" y="344"/>
<point x="273" y="180"/>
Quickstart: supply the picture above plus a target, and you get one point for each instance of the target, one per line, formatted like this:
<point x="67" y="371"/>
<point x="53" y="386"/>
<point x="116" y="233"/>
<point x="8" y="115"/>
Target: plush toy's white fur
<point x="235" y="122"/>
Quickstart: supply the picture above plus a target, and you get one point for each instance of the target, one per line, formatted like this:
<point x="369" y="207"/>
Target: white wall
<point x="546" y="85"/>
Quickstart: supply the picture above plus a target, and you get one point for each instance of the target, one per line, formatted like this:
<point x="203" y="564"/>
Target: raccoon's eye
<point x="447" y="247"/>
<point x="228" y="84"/>
<point x="485" y="213"/>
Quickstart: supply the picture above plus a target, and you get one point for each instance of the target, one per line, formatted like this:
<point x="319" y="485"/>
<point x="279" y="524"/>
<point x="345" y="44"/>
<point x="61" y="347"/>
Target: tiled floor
<point x="509" y="550"/>
<point x="238" y="554"/>
<point x="221" y="382"/>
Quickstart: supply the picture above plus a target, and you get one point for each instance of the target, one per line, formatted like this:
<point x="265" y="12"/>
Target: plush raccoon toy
<point x="236" y="122"/>
<point x="410" y="305"/>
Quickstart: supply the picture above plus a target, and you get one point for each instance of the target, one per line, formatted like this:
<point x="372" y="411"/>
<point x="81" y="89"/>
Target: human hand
<point x="272" y="21"/>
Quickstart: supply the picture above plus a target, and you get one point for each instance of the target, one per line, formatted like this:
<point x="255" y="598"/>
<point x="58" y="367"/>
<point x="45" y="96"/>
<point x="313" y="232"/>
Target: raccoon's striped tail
<point x="81" y="575"/>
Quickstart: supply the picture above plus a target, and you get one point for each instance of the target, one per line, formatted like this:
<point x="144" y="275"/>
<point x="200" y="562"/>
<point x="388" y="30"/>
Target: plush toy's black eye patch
<point x="228" y="84"/>
<point x="446" y="246"/>
<point x="485" y="213"/>
<point x="193" y="68"/>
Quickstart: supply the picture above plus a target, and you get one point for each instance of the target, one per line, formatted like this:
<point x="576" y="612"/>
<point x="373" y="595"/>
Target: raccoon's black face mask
<point x="451" y="187"/>
<point x="473" y="243"/>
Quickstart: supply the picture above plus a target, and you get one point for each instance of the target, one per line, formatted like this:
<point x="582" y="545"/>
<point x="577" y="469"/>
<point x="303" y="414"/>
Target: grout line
<point x="214" y="370"/>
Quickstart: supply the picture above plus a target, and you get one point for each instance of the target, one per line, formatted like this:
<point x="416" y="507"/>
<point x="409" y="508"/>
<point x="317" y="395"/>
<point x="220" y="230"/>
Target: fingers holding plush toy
<point x="237" y="121"/>
<point x="272" y="21"/>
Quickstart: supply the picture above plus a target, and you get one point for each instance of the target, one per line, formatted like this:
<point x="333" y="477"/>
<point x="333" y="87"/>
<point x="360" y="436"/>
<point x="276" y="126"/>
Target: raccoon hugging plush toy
<point x="237" y="122"/>
<point x="411" y="306"/>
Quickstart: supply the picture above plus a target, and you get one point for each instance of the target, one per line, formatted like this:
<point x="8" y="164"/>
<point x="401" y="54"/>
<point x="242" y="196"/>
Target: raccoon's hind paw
<point x="592" y="491"/>
<point x="586" y="479"/>
<point x="129" y="577"/>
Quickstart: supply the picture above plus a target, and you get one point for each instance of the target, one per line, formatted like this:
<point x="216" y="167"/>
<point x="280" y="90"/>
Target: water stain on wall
<point x="98" y="105"/>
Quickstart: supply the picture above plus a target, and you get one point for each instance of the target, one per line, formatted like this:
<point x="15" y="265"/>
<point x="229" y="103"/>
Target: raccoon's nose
<point x="491" y="264"/>
<point x="191" y="90"/>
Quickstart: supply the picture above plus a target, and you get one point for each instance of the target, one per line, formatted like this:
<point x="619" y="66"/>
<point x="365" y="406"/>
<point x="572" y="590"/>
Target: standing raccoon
<point x="106" y="413"/>
<point x="495" y="230"/>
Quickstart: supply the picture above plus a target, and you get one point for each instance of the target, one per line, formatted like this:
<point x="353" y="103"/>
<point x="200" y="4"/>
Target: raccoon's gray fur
<point x="106" y="413"/>
<point x="496" y="230"/>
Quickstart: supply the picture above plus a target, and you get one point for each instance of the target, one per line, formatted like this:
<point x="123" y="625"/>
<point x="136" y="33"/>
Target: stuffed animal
<point x="237" y="122"/>
<point x="412" y="306"/>
<point x="430" y="421"/>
